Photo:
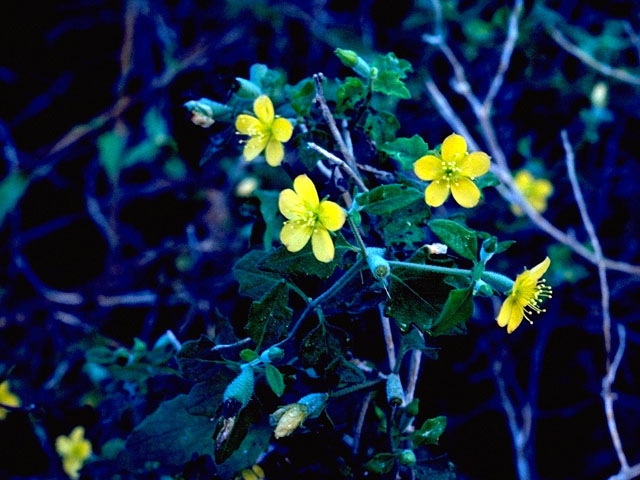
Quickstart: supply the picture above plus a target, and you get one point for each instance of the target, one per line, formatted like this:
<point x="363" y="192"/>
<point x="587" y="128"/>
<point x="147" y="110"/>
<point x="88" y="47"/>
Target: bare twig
<point x="414" y="374"/>
<point x="587" y="59"/>
<point x="363" y="413"/>
<point x="341" y="163"/>
<point x="388" y="338"/>
<point x="628" y="474"/>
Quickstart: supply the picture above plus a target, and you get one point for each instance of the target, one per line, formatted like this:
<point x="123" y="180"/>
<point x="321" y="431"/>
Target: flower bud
<point x="407" y="458"/>
<point x="288" y="419"/>
<point x="272" y="354"/>
<point x="599" y="95"/>
<point x="352" y="60"/>
<point x="204" y="112"/>
<point x="246" y="187"/>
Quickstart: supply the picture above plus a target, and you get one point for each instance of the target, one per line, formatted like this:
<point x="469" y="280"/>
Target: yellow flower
<point x="528" y="291"/>
<point x="309" y="218"/>
<point x="289" y="418"/>
<point x="256" y="473"/>
<point x="74" y="450"/>
<point x="266" y="131"/>
<point x="535" y="191"/>
<point x="453" y="170"/>
<point x="7" y="398"/>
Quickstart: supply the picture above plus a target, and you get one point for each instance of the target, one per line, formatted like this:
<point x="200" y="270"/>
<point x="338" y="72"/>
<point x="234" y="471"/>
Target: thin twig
<point x="414" y="374"/>
<point x="628" y="474"/>
<point x="363" y="413"/>
<point x="341" y="163"/>
<point x="388" y="338"/>
<point x="587" y="59"/>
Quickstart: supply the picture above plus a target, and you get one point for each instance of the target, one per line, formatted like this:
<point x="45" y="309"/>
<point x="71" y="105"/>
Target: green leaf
<point x="430" y="431"/>
<point x="274" y="379"/>
<point x="392" y="63"/>
<point x="11" y="190"/>
<point x="389" y="83"/>
<point x="414" y="340"/>
<point x="381" y="463"/>
<point x="503" y="246"/>
<point x="302" y="95"/>
<point x="254" y="282"/>
<point x="111" y="147"/>
<point x="269" y="317"/>
<point x="248" y="416"/>
<point x="270" y="214"/>
<point x="304" y="262"/>
<point x="381" y="127"/>
<point x="254" y="444"/>
<point x="459" y="238"/>
<point x="350" y="94"/>
<point x="248" y="355"/>
<point x="170" y="435"/>
<point x="318" y="348"/>
<point x="406" y="150"/>
<point x="270" y="81"/>
<point x="457" y="310"/>
<point x="197" y="362"/>
<point x="487" y="180"/>
<point x="388" y="199"/>
<point x="156" y="126"/>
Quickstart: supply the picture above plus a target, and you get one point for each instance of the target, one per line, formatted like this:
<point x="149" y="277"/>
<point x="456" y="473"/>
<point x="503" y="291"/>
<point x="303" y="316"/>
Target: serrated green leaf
<point x="269" y="317"/>
<point x="389" y="83"/>
<point x="381" y="127"/>
<point x="254" y="282"/>
<point x="196" y="360"/>
<point x="430" y="431"/>
<point x="381" y="463"/>
<point x="392" y="63"/>
<point x="304" y="262"/>
<point x="459" y="238"/>
<point x="270" y="214"/>
<point x="302" y="95"/>
<point x="318" y="348"/>
<point x="274" y="379"/>
<point x="406" y="150"/>
<point x="457" y="310"/>
<point x="349" y="94"/>
<point x="388" y="199"/>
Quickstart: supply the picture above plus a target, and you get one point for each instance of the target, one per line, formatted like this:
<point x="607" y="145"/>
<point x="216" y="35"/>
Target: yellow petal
<point x="307" y="192"/>
<point x="77" y="434"/>
<point x="282" y="129"/>
<point x="543" y="188"/>
<point x="331" y="215"/>
<point x="274" y="153"/>
<point x="257" y="469"/>
<point x="248" y="475"/>
<point x="71" y="466"/>
<point x="295" y="235"/>
<point x="523" y="179"/>
<point x="254" y="147"/>
<point x="290" y="205"/>
<point x="536" y="272"/>
<point x="511" y="314"/>
<point x="436" y="193"/>
<point x="453" y="147"/>
<point x="475" y="164"/>
<point x="322" y="245"/>
<point x="428" y="167"/>
<point x="248" y="125"/>
<point x="264" y="109"/>
<point x="465" y="192"/>
<point x="63" y="445"/>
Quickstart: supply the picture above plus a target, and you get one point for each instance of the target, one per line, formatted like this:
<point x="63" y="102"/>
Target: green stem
<point x="355" y="388"/>
<point x="299" y="291"/>
<point x="356" y="233"/>
<point x="495" y="279"/>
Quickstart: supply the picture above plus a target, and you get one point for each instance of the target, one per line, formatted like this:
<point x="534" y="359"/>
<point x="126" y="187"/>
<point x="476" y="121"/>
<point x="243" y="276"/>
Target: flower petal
<point x="428" y="167"/>
<point x="282" y="129"/>
<point x="475" y="164"/>
<point x="307" y="192"/>
<point x="263" y="108"/>
<point x="295" y="235"/>
<point x="248" y="125"/>
<point x="274" y="153"/>
<point x="453" y="146"/>
<point x="436" y="193"/>
<point x="523" y="180"/>
<point x="77" y="434"/>
<point x="536" y="272"/>
<point x="465" y="192"/>
<point x="63" y="445"/>
<point x="331" y="215"/>
<point x="290" y="205"/>
<point x="322" y="245"/>
<point x="254" y="147"/>
<point x="517" y="314"/>
<point x="543" y="188"/>
<point x="511" y="314"/>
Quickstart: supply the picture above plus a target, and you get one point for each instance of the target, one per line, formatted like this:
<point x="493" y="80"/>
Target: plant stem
<point x="355" y="388"/>
<point x="356" y="233"/>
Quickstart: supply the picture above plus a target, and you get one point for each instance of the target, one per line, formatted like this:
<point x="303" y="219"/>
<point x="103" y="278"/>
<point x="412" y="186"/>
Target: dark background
<point x="69" y="71"/>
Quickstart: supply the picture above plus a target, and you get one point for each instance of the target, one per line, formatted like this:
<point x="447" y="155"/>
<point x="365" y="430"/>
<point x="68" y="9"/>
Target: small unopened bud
<point x="352" y="60"/>
<point x="246" y="187"/>
<point x="599" y="95"/>
<point x="407" y="458"/>
<point x="395" y="393"/>
<point x="272" y="354"/>
<point x="436" y="248"/>
<point x="204" y="112"/>
<point x="377" y="263"/>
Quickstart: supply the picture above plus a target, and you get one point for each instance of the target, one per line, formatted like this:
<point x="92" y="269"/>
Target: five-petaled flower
<point x="7" y="398"/>
<point x="308" y="217"/>
<point x="535" y="191"/>
<point x="74" y="450"/>
<point x="528" y="291"/>
<point x="266" y="131"/>
<point x="454" y="170"/>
